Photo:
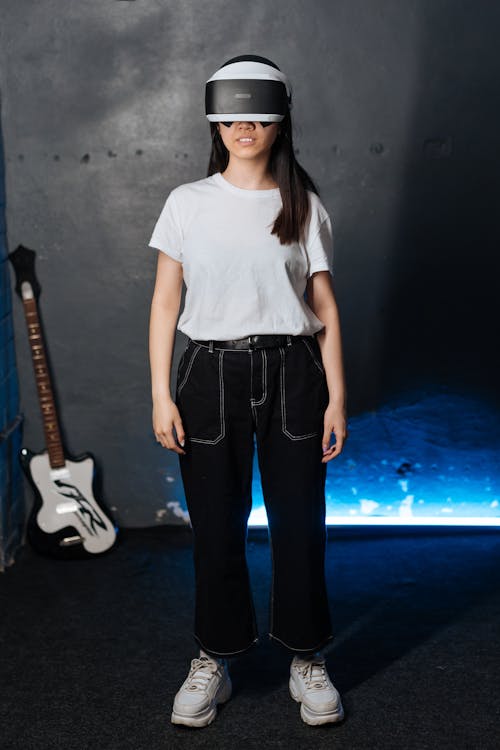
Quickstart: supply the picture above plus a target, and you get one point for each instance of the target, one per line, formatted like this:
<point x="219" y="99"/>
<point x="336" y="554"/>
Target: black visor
<point x="245" y="99"/>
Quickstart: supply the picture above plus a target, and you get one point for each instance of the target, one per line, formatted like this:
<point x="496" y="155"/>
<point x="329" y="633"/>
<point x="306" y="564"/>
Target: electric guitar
<point x="66" y="521"/>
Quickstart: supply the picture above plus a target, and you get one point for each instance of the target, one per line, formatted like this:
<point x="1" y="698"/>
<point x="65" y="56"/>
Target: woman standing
<point x="260" y="360"/>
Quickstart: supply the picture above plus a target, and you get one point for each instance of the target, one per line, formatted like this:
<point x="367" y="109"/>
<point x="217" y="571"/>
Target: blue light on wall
<point x="426" y="458"/>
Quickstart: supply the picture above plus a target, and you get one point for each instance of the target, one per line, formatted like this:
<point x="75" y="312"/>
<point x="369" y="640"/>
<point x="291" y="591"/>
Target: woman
<point x="248" y="240"/>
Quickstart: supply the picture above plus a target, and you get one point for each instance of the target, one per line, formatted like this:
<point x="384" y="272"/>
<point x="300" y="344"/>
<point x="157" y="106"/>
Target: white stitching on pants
<point x="318" y="365"/>
<point x="254" y="615"/>
<point x="182" y="356"/>
<point x="283" y="403"/>
<point x="264" y="380"/>
<point x="221" y="407"/>
<point x="271" y="598"/>
<point x="193" y="355"/>
<point x="314" y="648"/>
<point x="254" y="412"/>
<point x="226" y="653"/>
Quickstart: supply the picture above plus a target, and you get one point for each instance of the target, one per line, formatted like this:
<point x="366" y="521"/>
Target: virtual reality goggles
<point x="248" y="88"/>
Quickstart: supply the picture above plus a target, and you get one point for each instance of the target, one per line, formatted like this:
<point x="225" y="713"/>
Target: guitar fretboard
<point x="42" y="377"/>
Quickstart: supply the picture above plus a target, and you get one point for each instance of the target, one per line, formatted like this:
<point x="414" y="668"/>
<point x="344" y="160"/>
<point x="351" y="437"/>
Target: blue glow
<point x="426" y="458"/>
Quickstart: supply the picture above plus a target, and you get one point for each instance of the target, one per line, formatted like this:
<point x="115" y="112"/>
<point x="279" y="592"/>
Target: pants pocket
<point x="312" y="347"/>
<point x="200" y="394"/>
<point x="304" y="392"/>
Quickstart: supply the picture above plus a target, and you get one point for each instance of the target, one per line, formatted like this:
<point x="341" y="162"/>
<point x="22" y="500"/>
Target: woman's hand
<point x="334" y="421"/>
<point x="165" y="417"/>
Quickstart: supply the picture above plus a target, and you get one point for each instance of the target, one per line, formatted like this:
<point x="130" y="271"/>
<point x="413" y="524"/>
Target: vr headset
<point x="249" y="88"/>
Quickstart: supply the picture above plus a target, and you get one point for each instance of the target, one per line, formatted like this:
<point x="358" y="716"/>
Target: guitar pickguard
<point x="82" y="506"/>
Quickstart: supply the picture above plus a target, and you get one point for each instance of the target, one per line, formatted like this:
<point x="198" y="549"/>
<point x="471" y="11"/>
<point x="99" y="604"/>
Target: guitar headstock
<point x="23" y="260"/>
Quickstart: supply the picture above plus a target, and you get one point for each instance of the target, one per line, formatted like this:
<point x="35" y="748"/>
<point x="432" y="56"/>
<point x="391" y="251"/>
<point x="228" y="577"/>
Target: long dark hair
<point x="292" y="178"/>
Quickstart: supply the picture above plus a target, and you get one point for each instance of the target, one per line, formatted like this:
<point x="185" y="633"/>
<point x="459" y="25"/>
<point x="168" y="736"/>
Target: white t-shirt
<point x="239" y="279"/>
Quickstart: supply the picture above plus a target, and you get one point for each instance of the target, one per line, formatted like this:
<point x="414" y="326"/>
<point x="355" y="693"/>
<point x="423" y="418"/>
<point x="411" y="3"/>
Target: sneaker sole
<point x="205" y="717"/>
<point x="315" y="717"/>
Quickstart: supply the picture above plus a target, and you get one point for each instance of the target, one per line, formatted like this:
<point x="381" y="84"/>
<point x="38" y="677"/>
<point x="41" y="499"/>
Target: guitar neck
<point x="42" y="377"/>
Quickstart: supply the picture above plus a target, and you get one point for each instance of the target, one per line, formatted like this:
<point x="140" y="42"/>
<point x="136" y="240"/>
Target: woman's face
<point x="262" y="138"/>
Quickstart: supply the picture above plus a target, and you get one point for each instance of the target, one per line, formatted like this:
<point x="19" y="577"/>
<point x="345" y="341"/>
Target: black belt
<point x="253" y="342"/>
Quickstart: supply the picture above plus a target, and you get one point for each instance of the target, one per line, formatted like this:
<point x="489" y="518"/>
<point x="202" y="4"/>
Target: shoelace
<point x="314" y="674"/>
<point x="200" y="673"/>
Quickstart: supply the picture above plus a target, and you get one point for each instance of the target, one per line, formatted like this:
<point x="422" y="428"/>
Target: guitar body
<point x="66" y="520"/>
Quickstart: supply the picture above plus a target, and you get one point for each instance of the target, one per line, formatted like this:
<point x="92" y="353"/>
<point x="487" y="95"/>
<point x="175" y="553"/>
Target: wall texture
<point x="395" y="116"/>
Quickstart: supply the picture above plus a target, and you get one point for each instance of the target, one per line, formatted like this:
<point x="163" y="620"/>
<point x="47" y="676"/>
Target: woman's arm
<point x="321" y="300"/>
<point x="162" y="328"/>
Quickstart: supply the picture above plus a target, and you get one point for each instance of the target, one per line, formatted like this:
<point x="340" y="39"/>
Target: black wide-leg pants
<point x="224" y="397"/>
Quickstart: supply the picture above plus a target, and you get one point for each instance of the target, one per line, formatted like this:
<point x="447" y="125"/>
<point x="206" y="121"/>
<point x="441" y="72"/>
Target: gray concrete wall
<point x="103" y="113"/>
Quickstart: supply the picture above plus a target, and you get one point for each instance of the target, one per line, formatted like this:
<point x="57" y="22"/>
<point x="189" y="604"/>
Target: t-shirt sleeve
<point x="320" y="249"/>
<point x="167" y="233"/>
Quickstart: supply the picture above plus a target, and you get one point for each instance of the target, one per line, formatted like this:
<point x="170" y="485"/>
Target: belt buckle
<point x="250" y="343"/>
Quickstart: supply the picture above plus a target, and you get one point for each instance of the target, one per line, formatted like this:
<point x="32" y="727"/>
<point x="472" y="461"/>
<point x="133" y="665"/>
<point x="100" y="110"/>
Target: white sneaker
<point x="207" y="684"/>
<point x="311" y="686"/>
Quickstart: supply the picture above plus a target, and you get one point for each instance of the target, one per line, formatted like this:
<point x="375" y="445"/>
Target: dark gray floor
<point x="93" y="651"/>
